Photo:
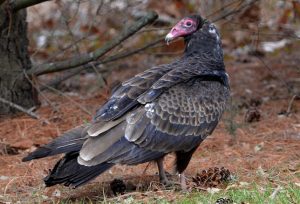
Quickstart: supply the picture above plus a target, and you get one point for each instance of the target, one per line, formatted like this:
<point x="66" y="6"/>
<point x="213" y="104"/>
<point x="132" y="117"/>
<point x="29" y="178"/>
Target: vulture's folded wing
<point x="148" y="85"/>
<point x="184" y="71"/>
<point x="179" y="119"/>
<point x="125" y="97"/>
<point x="183" y="114"/>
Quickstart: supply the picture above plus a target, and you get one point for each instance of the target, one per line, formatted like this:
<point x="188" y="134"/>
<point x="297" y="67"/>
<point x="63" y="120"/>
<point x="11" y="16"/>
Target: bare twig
<point x="69" y="98"/>
<point x="54" y="83"/>
<point x="275" y="192"/>
<point x="93" y="56"/>
<point x="20" y="108"/>
<point x="146" y="168"/>
<point x="222" y="8"/>
<point x="159" y="29"/>
<point x="234" y="11"/>
<point x="99" y="7"/>
<point x="119" y="56"/>
<point x="275" y="75"/>
<point x="291" y="104"/>
<point x="20" y="4"/>
<point x="40" y="92"/>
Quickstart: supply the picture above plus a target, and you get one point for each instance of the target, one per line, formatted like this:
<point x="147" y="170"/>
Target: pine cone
<point x="224" y="201"/>
<point x="252" y="115"/>
<point x="117" y="186"/>
<point x="212" y="177"/>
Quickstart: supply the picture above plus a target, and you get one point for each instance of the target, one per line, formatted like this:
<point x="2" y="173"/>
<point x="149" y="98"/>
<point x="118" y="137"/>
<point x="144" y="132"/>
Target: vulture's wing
<point x="179" y="119"/>
<point x="184" y="71"/>
<point x="184" y="113"/>
<point x="125" y="97"/>
<point x="148" y="85"/>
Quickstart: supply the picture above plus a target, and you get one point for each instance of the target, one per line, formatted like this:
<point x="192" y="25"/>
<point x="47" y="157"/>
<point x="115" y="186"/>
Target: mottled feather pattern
<point x="156" y="141"/>
<point x="192" y="106"/>
<point x="187" y="109"/>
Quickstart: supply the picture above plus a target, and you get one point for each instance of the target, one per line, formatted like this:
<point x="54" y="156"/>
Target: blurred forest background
<point x="261" y="50"/>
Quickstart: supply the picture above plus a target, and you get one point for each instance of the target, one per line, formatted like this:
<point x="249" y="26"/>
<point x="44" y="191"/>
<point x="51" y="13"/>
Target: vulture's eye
<point x="188" y="24"/>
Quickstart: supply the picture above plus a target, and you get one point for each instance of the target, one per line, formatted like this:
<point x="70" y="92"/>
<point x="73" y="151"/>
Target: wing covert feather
<point x="125" y="97"/>
<point x="190" y="109"/>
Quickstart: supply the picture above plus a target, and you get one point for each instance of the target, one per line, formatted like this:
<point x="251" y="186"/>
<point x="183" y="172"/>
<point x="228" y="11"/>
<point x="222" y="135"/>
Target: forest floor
<point x="264" y="152"/>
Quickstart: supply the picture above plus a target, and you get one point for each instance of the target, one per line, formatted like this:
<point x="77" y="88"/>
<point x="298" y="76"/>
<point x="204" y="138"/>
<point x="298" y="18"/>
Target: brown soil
<point x="262" y="151"/>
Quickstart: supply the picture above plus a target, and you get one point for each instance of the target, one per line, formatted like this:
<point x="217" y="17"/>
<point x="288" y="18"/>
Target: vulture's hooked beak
<point x="169" y="38"/>
<point x="174" y="33"/>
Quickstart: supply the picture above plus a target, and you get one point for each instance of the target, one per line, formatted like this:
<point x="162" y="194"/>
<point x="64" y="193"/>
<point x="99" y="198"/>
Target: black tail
<point x="70" y="173"/>
<point x="71" y="141"/>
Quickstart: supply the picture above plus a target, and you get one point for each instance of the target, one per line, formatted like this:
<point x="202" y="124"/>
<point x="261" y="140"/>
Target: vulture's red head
<point x="185" y="27"/>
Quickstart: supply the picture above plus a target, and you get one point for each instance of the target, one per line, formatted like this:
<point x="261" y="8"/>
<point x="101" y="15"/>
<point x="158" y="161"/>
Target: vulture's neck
<point x="204" y="48"/>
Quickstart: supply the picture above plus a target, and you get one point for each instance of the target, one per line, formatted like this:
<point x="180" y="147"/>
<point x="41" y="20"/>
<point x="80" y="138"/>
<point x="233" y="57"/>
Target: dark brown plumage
<point x="165" y="109"/>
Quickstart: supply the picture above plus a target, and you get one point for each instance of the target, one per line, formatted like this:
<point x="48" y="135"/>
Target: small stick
<point x="20" y="108"/>
<point x="275" y="192"/>
<point x="67" y="97"/>
<point x="146" y="168"/>
<point x="291" y="104"/>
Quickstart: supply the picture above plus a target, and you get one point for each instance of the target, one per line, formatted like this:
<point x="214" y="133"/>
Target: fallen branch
<point x="93" y="56"/>
<point x="20" y="4"/>
<point x="78" y="70"/>
<point x="20" y="108"/>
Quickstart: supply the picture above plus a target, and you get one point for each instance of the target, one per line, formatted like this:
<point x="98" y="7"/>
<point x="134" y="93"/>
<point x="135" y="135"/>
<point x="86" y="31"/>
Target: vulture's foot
<point x="170" y="184"/>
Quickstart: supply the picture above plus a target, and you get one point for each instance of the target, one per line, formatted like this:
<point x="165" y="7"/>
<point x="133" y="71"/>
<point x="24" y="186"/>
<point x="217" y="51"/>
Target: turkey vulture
<point x="169" y="108"/>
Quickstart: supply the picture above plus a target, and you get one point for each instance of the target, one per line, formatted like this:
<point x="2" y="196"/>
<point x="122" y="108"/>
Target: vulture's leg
<point x="161" y="171"/>
<point x="182" y="182"/>
<point x="162" y="174"/>
<point x="182" y="160"/>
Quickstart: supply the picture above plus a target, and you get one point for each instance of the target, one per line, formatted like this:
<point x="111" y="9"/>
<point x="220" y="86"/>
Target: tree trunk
<point x="14" y="59"/>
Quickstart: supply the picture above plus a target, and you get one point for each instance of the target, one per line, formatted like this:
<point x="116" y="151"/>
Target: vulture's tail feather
<point x="70" y="173"/>
<point x="70" y="141"/>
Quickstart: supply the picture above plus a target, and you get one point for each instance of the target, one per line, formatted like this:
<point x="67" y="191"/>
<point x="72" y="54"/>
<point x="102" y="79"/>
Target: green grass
<point x="255" y="194"/>
<point x="246" y="194"/>
<point x="252" y="194"/>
